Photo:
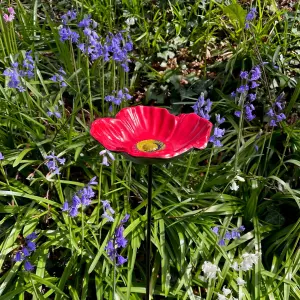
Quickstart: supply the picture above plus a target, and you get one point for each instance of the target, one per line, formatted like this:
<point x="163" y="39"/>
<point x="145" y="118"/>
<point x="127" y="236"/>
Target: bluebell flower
<point x="59" y="77"/>
<point x="202" y="108"/>
<point x="255" y="73"/>
<point x="252" y="97"/>
<point x="244" y="74"/>
<point x="221" y="242"/>
<point x="31" y="246"/>
<point x="242" y="89"/>
<point x="85" y="22"/>
<point x="18" y="256"/>
<point x="1" y="156"/>
<point x="121" y="260"/>
<point x="218" y="134"/>
<point x="275" y="112"/>
<point x="227" y="236"/>
<point x="16" y="73"/>
<point x="215" y="230"/>
<point x="250" y="17"/>
<point x="233" y="94"/>
<point x="55" y="112"/>
<point x="28" y="266"/>
<point x="53" y="163"/>
<point x="83" y="198"/>
<point x="105" y="153"/>
<point x="26" y="251"/>
<point x="117" y="242"/>
<point x="118" y="97"/>
<point x="235" y="234"/>
<point x="242" y="228"/>
<point x="69" y="16"/>
<point x="254" y="85"/>
<point x="107" y="208"/>
<point x="237" y="113"/>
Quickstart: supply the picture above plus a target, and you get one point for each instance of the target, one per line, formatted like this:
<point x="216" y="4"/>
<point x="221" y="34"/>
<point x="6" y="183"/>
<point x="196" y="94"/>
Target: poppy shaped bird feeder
<point x="150" y="135"/>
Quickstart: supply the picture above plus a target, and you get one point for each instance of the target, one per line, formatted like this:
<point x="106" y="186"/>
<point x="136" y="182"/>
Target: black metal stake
<point x="148" y="241"/>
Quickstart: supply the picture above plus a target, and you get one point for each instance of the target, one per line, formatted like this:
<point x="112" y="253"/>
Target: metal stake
<point x="148" y="241"/>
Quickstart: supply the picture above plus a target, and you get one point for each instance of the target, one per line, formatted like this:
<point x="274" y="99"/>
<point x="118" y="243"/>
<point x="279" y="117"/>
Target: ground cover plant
<point x="73" y="214"/>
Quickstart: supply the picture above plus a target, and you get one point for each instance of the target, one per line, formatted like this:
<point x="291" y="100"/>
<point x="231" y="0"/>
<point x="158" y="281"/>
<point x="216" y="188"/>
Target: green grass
<point x="191" y="194"/>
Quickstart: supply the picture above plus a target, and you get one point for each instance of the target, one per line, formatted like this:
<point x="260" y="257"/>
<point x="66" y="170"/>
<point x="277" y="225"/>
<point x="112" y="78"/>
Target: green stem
<point x="89" y="89"/>
<point x="207" y="171"/>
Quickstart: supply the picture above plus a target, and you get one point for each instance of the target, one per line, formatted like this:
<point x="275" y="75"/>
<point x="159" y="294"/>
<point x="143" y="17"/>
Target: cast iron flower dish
<point x="148" y="135"/>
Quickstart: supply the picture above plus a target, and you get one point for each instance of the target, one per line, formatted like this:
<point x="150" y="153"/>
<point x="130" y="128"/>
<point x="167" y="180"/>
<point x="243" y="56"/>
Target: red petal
<point x="112" y="134"/>
<point x="148" y="122"/>
<point x="192" y="131"/>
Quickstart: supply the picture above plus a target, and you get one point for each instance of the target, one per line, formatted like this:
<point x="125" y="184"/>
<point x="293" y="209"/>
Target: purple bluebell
<point x="221" y="242"/>
<point x="249" y="108"/>
<point x="244" y="74"/>
<point x="121" y="260"/>
<point x="254" y="85"/>
<point x="227" y="236"/>
<point x="215" y="230"/>
<point x="54" y="112"/>
<point x="235" y="234"/>
<point x="118" y="97"/>
<point x="237" y="113"/>
<point x="31" y="246"/>
<point x="16" y="72"/>
<point x="65" y="206"/>
<point x="255" y="73"/>
<point x="53" y="163"/>
<point x="69" y="16"/>
<point x="252" y="97"/>
<point x="108" y="217"/>
<point x="275" y="113"/>
<point x="59" y="77"/>
<point x="1" y="156"/>
<point x="85" y="22"/>
<point x="215" y="138"/>
<point x="251" y="15"/>
<point x="31" y="236"/>
<point x="28" y="266"/>
<point x="242" y="228"/>
<point x="242" y="89"/>
<point x="202" y="107"/>
<point x="117" y="242"/>
<point x="233" y="94"/>
<point x="18" y="256"/>
<point x="125" y="219"/>
<point x="26" y="251"/>
<point x="83" y="198"/>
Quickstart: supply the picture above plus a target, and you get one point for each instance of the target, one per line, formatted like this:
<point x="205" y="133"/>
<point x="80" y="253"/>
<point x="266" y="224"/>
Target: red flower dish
<point x="148" y="134"/>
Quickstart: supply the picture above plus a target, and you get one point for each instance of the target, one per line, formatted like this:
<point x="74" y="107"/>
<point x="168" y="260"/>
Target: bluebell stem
<point x="53" y="163"/>
<point x="116" y="243"/>
<point x="82" y="198"/>
<point x="202" y="107"/>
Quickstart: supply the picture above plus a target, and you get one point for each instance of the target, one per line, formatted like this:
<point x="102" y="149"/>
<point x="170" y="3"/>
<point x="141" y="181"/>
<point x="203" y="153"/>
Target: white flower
<point x="240" y="281"/>
<point x="234" y="186"/>
<point x="210" y="270"/>
<point x="239" y="178"/>
<point x="226" y="292"/>
<point x="130" y="21"/>
<point x="221" y="297"/>
<point x="249" y="259"/>
<point x="235" y="266"/>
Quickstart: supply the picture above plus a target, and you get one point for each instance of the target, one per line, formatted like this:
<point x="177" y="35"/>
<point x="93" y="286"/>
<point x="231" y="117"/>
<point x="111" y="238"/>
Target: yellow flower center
<point x="150" y="145"/>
